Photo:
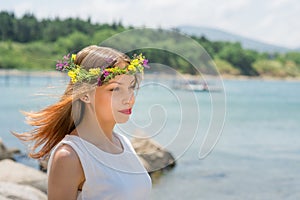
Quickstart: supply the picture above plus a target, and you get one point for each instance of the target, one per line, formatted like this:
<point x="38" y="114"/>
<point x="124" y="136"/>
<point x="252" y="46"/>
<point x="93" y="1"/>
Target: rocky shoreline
<point x="21" y="73"/>
<point x="21" y="182"/>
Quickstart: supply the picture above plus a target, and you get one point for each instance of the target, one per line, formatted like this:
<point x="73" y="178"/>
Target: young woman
<point x="89" y="161"/>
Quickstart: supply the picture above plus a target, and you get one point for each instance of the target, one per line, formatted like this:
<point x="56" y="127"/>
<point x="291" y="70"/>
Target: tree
<point x="269" y="68"/>
<point x="7" y="21"/>
<point x="225" y="67"/>
<point x="28" y="29"/>
<point x="293" y="56"/>
<point x="238" y="57"/>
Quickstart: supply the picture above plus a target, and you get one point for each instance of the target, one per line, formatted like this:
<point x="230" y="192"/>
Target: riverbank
<point x="21" y="73"/>
<point x="264" y="78"/>
<point x="15" y="72"/>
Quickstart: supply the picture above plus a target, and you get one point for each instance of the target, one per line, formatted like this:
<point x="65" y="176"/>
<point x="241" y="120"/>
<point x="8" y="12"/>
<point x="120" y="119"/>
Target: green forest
<point x="31" y="44"/>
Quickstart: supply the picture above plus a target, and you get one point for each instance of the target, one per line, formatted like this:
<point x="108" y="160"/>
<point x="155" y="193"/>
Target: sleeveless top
<point x="109" y="176"/>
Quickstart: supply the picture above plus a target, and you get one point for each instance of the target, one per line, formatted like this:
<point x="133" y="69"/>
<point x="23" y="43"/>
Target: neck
<point x="93" y="131"/>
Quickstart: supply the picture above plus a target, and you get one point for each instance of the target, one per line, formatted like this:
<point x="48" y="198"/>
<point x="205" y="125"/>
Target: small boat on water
<point x="195" y="86"/>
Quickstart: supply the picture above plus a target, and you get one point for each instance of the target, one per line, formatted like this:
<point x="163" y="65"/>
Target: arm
<point x="65" y="175"/>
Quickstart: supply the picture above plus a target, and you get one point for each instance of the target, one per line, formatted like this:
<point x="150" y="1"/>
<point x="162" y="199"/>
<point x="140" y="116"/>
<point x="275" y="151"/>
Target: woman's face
<point x="114" y="100"/>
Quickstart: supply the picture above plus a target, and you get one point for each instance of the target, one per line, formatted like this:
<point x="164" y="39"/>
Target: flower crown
<point x="102" y="74"/>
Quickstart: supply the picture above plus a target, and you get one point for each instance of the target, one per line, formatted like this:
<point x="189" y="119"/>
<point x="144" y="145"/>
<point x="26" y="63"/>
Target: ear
<point x="86" y="98"/>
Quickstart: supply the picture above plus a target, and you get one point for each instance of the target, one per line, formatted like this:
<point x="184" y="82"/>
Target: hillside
<point x="28" y="43"/>
<point x="219" y="35"/>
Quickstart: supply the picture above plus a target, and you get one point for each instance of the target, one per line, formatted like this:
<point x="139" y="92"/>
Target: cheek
<point x="103" y="105"/>
<point x="102" y="99"/>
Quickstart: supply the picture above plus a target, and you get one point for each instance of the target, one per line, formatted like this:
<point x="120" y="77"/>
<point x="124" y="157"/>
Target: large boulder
<point x="11" y="171"/>
<point x="6" y="153"/>
<point x="20" y="192"/>
<point x="153" y="155"/>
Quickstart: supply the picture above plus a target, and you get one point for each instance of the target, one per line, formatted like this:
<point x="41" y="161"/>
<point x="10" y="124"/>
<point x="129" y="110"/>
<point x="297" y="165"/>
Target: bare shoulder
<point x="66" y="160"/>
<point x="65" y="154"/>
<point x="65" y="173"/>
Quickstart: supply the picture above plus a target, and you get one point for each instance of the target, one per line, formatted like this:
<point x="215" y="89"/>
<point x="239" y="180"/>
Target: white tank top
<point x="109" y="176"/>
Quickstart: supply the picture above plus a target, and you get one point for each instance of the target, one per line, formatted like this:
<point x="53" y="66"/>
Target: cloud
<point x="271" y="21"/>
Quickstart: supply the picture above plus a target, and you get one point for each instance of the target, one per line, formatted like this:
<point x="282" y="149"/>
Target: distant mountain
<point x="219" y="35"/>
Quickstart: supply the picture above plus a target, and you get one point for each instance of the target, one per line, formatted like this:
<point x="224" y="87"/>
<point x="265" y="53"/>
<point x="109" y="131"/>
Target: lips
<point x="126" y="111"/>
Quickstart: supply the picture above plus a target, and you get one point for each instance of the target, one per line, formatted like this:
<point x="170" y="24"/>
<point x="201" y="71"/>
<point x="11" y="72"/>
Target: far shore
<point x="15" y="72"/>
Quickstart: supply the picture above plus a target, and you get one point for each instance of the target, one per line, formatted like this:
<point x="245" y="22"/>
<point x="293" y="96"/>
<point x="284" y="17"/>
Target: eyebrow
<point x="119" y="82"/>
<point x="115" y="82"/>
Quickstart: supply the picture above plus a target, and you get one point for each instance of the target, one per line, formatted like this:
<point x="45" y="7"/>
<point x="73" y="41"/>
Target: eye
<point x="133" y="87"/>
<point x="115" y="89"/>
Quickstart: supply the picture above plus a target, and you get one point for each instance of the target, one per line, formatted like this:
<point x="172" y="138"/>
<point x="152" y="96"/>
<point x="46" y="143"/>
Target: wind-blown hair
<point x="61" y="118"/>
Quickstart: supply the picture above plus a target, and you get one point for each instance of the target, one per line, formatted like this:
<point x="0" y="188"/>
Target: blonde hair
<point x="59" y="119"/>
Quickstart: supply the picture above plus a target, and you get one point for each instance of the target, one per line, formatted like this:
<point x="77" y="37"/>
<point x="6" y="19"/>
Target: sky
<point x="272" y="21"/>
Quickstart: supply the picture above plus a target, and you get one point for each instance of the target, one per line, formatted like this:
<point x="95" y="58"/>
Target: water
<point x="257" y="156"/>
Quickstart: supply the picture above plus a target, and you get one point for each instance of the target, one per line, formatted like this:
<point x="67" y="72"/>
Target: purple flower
<point x="145" y="63"/>
<point x="67" y="57"/>
<point x="59" y="66"/>
<point x="106" y="73"/>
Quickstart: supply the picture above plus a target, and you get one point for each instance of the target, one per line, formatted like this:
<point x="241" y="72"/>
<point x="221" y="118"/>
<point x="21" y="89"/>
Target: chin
<point x="122" y="119"/>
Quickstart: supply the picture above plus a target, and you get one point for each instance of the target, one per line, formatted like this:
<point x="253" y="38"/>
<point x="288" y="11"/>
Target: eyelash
<point x="117" y="88"/>
<point x="133" y="87"/>
<point x="114" y="89"/>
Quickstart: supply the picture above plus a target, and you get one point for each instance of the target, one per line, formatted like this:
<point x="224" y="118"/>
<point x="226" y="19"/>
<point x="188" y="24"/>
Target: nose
<point x="130" y="99"/>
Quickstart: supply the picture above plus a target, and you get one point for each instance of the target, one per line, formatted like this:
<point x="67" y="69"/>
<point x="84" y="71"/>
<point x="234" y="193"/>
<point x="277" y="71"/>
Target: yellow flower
<point x="109" y="69"/>
<point x="77" y="70"/>
<point x="73" y="56"/>
<point x="94" y="71"/>
<point x="134" y="62"/>
<point x="131" y="68"/>
<point x="72" y="75"/>
<point x="115" y="69"/>
<point x="141" y="58"/>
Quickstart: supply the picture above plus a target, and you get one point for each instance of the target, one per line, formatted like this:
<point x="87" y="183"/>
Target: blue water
<point x="257" y="156"/>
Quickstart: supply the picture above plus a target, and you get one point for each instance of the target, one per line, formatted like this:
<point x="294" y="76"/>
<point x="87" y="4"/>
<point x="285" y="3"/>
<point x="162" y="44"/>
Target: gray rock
<point x="3" y="197"/>
<point x="11" y="171"/>
<point x="20" y="192"/>
<point x="153" y="155"/>
<point x="6" y="153"/>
